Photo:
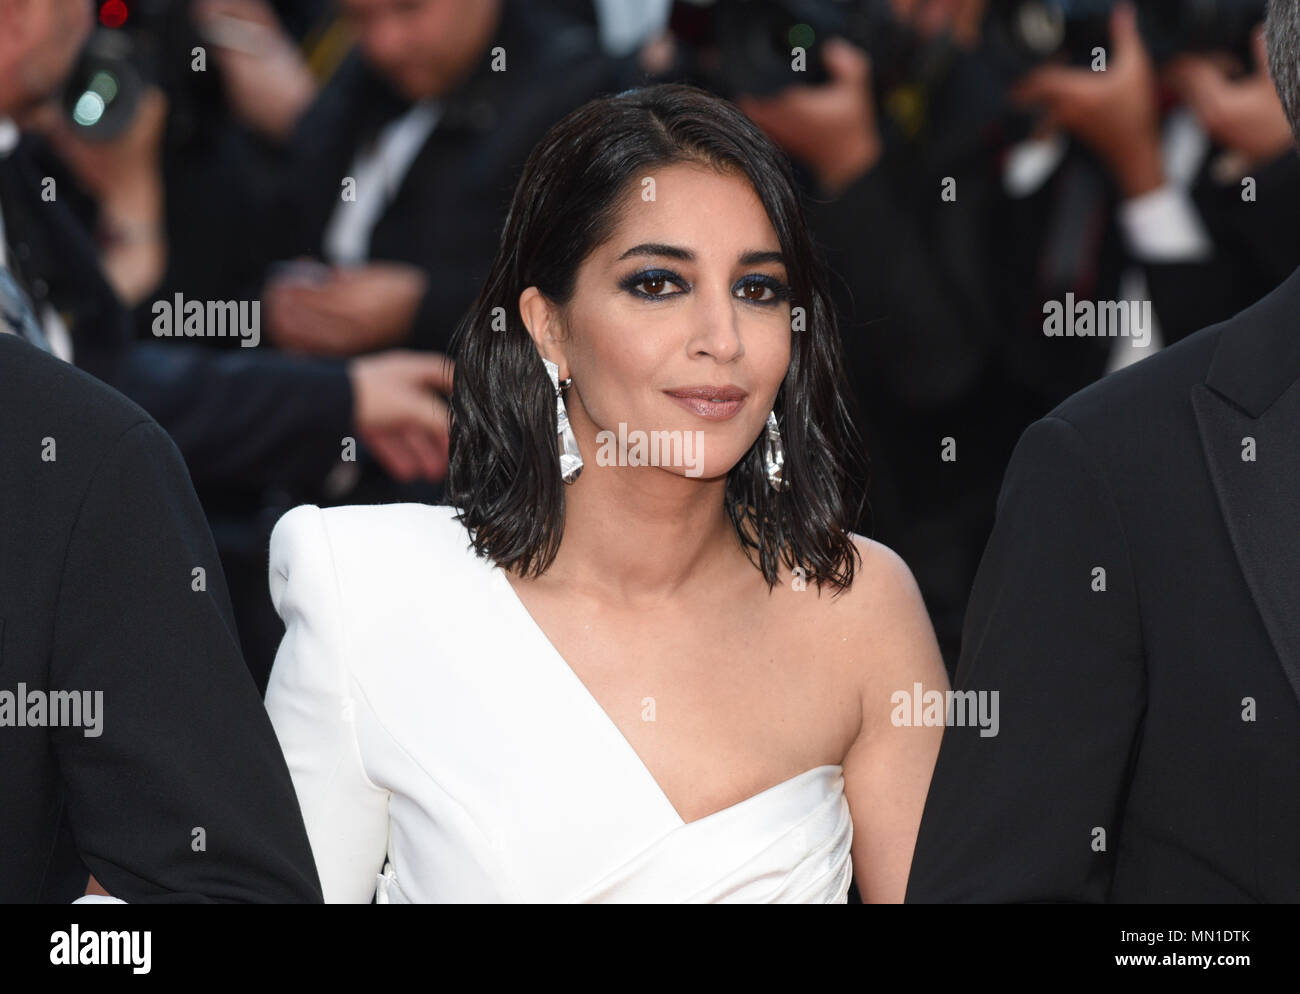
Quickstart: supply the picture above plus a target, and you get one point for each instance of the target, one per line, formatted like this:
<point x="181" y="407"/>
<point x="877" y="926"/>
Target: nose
<point x="716" y="329"/>
<point x="384" y="43"/>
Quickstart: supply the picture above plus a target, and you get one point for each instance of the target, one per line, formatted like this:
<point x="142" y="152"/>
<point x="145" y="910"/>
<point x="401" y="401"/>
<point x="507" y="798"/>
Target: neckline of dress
<point x="499" y="576"/>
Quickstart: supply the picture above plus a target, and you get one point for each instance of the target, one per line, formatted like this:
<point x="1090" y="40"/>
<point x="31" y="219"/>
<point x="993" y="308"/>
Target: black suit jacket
<point x="100" y="533"/>
<point x="1149" y="741"/>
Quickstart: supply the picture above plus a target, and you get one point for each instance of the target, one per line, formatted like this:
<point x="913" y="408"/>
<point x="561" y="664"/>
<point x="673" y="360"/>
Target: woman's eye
<point x="654" y="285"/>
<point x="763" y="291"/>
<point x="662" y="285"/>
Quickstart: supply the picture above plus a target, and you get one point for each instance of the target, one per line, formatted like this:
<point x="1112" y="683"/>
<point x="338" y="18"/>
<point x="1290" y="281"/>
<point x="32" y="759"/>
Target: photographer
<point x="939" y="296"/>
<point x="1204" y="187"/>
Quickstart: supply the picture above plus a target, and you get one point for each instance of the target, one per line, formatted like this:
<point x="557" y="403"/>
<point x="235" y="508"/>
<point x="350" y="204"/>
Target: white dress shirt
<point x="378" y="170"/>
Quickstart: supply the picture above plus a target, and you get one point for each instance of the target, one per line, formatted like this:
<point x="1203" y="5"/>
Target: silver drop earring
<point x="774" y="455"/>
<point x="570" y="457"/>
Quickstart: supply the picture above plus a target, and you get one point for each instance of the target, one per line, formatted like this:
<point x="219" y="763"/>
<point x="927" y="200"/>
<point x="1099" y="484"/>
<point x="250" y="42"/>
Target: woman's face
<point x="679" y="323"/>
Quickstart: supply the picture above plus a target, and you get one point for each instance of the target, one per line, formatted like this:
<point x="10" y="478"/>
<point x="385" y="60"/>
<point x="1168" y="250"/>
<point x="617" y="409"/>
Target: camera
<point x="734" y="47"/>
<point x="1028" y="33"/>
<point x="102" y="94"/>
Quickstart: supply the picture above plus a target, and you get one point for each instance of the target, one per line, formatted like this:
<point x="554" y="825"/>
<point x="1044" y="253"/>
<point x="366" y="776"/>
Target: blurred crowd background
<point x="964" y="162"/>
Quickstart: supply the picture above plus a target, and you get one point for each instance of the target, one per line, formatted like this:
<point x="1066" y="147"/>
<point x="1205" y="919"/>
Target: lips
<point x="715" y="403"/>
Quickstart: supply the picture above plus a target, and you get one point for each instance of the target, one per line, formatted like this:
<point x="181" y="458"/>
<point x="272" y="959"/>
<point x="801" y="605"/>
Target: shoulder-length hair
<point x="504" y="473"/>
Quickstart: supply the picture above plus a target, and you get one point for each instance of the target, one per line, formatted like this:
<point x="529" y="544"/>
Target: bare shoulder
<point x="874" y="633"/>
<point x="878" y="628"/>
<point x="887" y="603"/>
<point x="882" y="601"/>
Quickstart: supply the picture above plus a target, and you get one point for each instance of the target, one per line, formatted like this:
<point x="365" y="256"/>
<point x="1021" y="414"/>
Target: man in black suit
<point x="1137" y="611"/>
<point x="401" y="172"/>
<point x="133" y="742"/>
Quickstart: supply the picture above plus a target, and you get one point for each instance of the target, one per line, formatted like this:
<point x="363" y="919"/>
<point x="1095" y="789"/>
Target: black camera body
<point x="735" y="47"/>
<point x="1029" y="33"/>
<point x="102" y="94"/>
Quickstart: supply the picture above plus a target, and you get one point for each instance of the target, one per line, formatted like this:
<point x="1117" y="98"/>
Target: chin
<point x="416" y="90"/>
<point x="711" y="469"/>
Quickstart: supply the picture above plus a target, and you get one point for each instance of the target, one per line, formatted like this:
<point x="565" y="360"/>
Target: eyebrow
<point x="751" y="258"/>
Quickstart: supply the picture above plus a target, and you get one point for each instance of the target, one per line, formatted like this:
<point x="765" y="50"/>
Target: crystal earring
<point x="774" y="455"/>
<point x="570" y="457"/>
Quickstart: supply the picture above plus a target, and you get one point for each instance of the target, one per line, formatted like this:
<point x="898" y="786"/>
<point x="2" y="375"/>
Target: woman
<point x="615" y="670"/>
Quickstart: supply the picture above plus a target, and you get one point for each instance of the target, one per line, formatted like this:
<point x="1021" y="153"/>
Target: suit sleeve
<point x="181" y="792"/>
<point x="312" y="705"/>
<point x="1033" y="812"/>
<point x="450" y="294"/>
<point x="244" y="419"/>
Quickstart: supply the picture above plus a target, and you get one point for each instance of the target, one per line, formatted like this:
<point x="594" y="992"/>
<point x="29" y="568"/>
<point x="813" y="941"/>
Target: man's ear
<point x="542" y="319"/>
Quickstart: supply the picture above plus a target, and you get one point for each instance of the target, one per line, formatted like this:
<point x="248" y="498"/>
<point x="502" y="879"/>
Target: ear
<point x="542" y="319"/>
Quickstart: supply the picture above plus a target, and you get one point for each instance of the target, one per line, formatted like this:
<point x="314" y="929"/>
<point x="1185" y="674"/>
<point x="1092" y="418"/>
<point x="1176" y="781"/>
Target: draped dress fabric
<point x="443" y="751"/>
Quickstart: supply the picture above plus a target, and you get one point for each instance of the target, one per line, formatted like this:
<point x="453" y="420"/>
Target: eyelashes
<point x="776" y="290"/>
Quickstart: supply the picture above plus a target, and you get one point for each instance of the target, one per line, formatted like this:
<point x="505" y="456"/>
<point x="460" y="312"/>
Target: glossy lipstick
<point x="710" y="402"/>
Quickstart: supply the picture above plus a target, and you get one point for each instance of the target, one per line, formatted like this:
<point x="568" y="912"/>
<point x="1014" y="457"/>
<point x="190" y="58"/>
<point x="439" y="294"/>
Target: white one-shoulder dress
<point x="443" y="751"/>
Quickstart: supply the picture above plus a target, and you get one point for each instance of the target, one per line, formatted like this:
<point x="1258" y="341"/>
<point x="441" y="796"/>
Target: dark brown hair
<point x="504" y="475"/>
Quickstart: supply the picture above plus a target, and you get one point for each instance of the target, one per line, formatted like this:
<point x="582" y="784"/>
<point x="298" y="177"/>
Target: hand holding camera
<point x="1112" y="110"/>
